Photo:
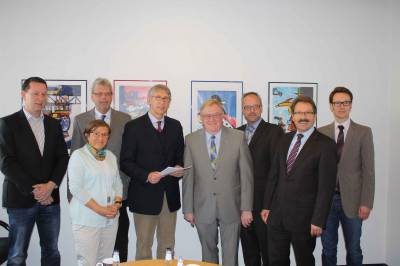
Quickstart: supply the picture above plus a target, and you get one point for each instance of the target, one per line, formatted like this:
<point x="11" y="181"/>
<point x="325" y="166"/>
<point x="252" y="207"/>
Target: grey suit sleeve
<point x="367" y="170"/>
<point x="188" y="182"/>
<point x="78" y="139"/>
<point x="246" y="177"/>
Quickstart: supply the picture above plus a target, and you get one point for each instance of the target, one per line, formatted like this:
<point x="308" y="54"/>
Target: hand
<point x="178" y="173"/>
<point x="264" y="215"/>
<point x="246" y="217"/>
<point x="189" y="217"/>
<point x="315" y="230"/>
<point x="154" y="177"/>
<point x="109" y="212"/>
<point x="363" y="212"/>
<point x="42" y="192"/>
<point x="48" y="201"/>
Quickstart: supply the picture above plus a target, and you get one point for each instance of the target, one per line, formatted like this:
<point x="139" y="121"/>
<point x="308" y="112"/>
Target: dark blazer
<point x="142" y="152"/>
<point x="22" y="164"/>
<point x="262" y="148"/>
<point x="302" y="197"/>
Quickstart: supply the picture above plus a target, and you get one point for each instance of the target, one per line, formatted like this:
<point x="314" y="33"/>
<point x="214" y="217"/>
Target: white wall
<point x="330" y="42"/>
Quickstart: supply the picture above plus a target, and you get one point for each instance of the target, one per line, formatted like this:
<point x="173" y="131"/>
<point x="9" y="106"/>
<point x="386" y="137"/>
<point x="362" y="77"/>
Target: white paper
<point x="169" y="170"/>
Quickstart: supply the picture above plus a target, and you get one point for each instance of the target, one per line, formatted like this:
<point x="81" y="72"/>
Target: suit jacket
<point x="221" y="193"/>
<point x="262" y="148"/>
<point x="302" y="197"/>
<point x="145" y="150"/>
<point x="118" y="121"/>
<point x="22" y="163"/>
<point x="356" y="168"/>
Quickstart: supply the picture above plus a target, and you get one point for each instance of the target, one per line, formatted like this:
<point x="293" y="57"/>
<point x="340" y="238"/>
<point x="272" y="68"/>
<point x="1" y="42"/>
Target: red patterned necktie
<point x="293" y="153"/>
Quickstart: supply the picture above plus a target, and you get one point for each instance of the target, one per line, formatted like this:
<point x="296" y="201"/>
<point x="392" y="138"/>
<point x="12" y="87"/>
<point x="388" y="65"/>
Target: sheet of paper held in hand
<point x="169" y="170"/>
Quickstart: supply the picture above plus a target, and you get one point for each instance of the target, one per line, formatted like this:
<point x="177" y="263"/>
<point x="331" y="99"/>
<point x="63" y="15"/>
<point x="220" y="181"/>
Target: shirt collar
<point x="255" y="124"/>
<point x="217" y="135"/>
<point x="29" y="116"/>
<point x="154" y="120"/>
<point x="345" y="124"/>
<point x="98" y="115"/>
<point x="307" y="133"/>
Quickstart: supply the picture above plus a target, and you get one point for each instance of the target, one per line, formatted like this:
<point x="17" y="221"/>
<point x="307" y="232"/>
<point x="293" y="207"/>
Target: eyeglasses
<point x="252" y="107"/>
<point x="304" y="113"/>
<point x="211" y="116"/>
<point x="101" y="94"/>
<point x="97" y="134"/>
<point x="344" y="103"/>
<point x="161" y="99"/>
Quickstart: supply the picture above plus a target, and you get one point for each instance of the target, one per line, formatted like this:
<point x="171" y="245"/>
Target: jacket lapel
<point x="258" y="133"/>
<point x="348" y="140"/>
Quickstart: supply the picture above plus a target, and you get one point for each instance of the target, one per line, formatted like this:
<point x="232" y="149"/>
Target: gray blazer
<point x="118" y="121"/>
<point x="221" y="193"/>
<point x="356" y="168"/>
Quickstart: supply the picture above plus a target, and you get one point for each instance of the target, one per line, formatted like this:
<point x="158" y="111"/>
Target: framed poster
<point x="229" y="93"/>
<point x="131" y="95"/>
<point x="65" y="100"/>
<point x="281" y="96"/>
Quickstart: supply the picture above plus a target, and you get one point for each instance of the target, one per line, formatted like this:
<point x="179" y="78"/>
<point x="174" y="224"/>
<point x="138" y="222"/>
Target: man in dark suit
<point x="354" y="196"/>
<point x="33" y="159"/>
<point x="151" y="143"/>
<point x="262" y="138"/>
<point x="102" y="98"/>
<point x="299" y="189"/>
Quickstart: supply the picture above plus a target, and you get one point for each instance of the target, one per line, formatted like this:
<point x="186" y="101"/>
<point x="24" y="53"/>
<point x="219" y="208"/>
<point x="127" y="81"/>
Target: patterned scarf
<point x="100" y="155"/>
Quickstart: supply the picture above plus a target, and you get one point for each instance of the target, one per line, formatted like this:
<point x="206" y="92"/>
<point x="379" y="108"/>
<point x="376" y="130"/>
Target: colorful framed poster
<point x="281" y="96"/>
<point x="65" y="100"/>
<point x="229" y="93"/>
<point x="131" y="95"/>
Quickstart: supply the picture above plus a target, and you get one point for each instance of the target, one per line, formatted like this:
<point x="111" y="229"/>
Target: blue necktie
<point x="249" y="133"/>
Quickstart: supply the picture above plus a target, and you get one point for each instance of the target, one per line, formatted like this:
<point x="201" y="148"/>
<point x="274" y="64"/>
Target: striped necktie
<point x="213" y="152"/>
<point x="249" y="133"/>
<point x="293" y="154"/>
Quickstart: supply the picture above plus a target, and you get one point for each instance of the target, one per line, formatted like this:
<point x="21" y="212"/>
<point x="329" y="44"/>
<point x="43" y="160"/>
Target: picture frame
<point x="228" y="92"/>
<point x="130" y="96"/>
<point x="281" y="96"/>
<point x="66" y="98"/>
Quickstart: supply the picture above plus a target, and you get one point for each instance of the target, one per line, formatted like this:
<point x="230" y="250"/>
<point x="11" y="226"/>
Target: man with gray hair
<point x="151" y="143"/>
<point x="102" y="98"/>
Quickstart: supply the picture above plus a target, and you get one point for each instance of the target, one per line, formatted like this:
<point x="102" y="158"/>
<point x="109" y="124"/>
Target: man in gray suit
<point x="218" y="188"/>
<point x="354" y="195"/>
<point x="102" y="98"/>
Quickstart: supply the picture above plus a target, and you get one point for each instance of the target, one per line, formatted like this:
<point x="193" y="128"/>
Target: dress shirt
<point x="346" y="125"/>
<point x="37" y="126"/>
<point x="154" y="121"/>
<point x="99" y="116"/>
<point x="92" y="179"/>
<point x="304" y="139"/>
<point x="217" y="141"/>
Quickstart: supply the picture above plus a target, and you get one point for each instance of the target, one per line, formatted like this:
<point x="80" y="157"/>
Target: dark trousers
<point x="22" y="221"/>
<point x="279" y="240"/>
<point x="351" y="233"/>
<point x="254" y="242"/>
<point x="121" y="242"/>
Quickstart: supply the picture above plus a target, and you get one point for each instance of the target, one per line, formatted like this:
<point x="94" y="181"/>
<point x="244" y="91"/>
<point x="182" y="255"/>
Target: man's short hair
<point x="159" y="87"/>
<point x="101" y="81"/>
<point x="340" y="90"/>
<point x="27" y="82"/>
<point x="303" y="99"/>
<point x="253" y="93"/>
<point x="210" y="102"/>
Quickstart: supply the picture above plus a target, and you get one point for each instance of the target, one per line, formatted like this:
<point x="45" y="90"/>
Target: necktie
<point x="103" y="117"/>
<point x="340" y="141"/>
<point x="159" y="129"/>
<point x="213" y="152"/>
<point x="293" y="153"/>
<point x="249" y="133"/>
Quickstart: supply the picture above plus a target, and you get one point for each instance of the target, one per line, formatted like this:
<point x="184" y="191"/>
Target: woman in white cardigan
<point x="96" y="190"/>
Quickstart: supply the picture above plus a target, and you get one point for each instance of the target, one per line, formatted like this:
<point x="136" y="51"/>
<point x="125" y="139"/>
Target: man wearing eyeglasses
<point x="218" y="188"/>
<point x="262" y="138"/>
<point x="151" y="143"/>
<point x="102" y="98"/>
<point x="354" y="195"/>
<point x="299" y="188"/>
